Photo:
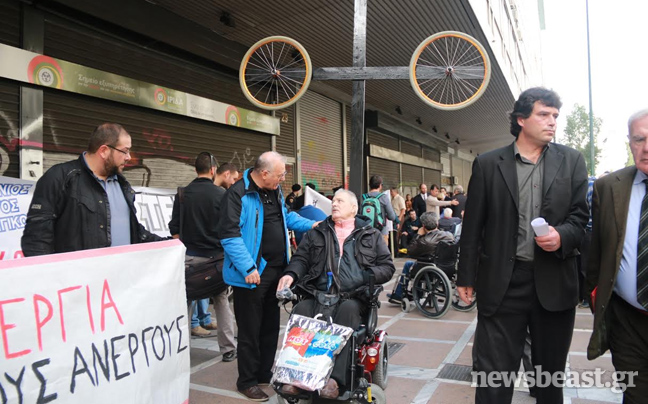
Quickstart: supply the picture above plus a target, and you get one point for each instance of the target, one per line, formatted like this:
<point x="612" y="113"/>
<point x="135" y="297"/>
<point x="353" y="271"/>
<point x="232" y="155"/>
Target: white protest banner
<point x="154" y="207"/>
<point x="97" y="326"/>
<point x="15" y="196"/>
<point x="312" y="197"/>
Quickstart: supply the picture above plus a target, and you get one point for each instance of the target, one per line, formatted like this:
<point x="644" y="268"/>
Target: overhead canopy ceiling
<point x="394" y="30"/>
<point x="325" y="28"/>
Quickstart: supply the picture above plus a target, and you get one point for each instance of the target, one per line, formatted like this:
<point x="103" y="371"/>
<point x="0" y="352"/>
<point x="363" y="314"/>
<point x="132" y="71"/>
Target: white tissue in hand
<point x="540" y="226"/>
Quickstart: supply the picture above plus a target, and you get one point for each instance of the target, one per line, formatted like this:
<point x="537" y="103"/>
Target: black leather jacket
<point x="370" y="253"/>
<point x="70" y="212"/>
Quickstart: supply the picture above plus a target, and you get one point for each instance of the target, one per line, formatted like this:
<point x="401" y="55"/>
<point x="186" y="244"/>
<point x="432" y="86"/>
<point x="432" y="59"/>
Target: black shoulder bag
<point x="205" y="279"/>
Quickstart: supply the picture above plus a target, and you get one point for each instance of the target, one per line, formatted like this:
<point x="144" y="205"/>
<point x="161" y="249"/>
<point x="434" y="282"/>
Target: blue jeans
<point x="201" y="316"/>
<point x="397" y="293"/>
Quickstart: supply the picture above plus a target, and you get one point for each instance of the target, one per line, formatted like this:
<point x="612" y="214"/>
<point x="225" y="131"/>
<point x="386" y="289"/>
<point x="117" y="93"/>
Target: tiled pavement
<point x="428" y="346"/>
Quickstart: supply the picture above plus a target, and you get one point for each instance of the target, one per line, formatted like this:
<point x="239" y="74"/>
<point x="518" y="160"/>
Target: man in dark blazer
<point x="459" y="195"/>
<point x="524" y="281"/>
<point x="418" y="202"/>
<point x="615" y="263"/>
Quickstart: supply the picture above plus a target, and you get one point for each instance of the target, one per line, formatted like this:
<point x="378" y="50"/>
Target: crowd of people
<point x="528" y="284"/>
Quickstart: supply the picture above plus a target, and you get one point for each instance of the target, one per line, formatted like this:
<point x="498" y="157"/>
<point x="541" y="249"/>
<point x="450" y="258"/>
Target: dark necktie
<point x="642" y="253"/>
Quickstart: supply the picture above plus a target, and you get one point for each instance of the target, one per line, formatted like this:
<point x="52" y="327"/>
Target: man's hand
<point x="466" y="293"/>
<point x="404" y="233"/>
<point x="415" y="228"/>
<point x="454" y="202"/>
<point x="315" y="224"/>
<point x="284" y="282"/>
<point x="254" y="277"/>
<point x="550" y="242"/>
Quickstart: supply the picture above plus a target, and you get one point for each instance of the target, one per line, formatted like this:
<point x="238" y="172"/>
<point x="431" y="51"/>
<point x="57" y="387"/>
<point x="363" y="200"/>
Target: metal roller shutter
<point x="412" y="175"/>
<point x="431" y="154"/>
<point x="380" y="139"/>
<point x="164" y="145"/>
<point x="467" y="173"/>
<point x="10" y="22"/>
<point x="413" y="149"/>
<point x="286" y="138"/>
<point x="9" y="94"/>
<point x="286" y="185"/>
<point x="74" y="43"/>
<point x="321" y="142"/>
<point x="431" y="177"/>
<point x="9" y="128"/>
<point x="457" y="170"/>
<point x="388" y="170"/>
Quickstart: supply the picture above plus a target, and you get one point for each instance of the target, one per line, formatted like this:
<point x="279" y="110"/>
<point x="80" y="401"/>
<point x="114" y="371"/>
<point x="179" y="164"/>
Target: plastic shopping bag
<point x="309" y="349"/>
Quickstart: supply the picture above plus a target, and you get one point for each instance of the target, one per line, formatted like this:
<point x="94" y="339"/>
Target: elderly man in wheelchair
<point x="340" y="257"/>
<point x="428" y="282"/>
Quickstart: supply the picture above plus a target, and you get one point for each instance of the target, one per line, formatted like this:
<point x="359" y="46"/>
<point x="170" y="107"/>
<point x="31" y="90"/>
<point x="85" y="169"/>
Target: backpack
<point x="372" y="208"/>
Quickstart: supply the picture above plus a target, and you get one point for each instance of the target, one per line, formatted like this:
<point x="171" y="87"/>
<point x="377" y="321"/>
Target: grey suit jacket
<point x="610" y="202"/>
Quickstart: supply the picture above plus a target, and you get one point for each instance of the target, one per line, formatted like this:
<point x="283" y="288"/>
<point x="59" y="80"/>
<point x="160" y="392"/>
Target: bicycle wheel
<point x="459" y="304"/>
<point x="275" y="72"/>
<point x="450" y="70"/>
<point x="432" y="292"/>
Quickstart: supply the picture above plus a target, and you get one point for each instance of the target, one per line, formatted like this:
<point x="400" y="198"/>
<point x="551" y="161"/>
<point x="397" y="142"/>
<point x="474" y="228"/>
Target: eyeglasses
<point x="282" y="175"/>
<point x="124" y="152"/>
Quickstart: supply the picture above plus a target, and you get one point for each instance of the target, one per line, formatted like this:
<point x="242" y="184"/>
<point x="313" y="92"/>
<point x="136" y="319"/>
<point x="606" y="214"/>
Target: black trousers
<point x="257" y="316"/>
<point x="500" y="339"/>
<point x="349" y="313"/>
<point x="628" y="337"/>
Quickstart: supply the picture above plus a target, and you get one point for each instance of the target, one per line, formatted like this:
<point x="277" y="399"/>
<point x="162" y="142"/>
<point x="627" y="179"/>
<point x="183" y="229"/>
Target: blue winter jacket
<point x="241" y="229"/>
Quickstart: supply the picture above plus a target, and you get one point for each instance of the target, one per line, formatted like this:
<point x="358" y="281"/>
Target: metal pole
<point x="589" y="78"/>
<point x="358" y="99"/>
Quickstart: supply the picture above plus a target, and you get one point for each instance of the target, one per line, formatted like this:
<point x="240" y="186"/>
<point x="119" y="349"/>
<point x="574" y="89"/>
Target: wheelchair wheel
<point x="432" y="292"/>
<point x="379" y="375"/>
<point x="282" y="400"/>
<point x="406" y="305"/>
<point x="378" y="394"/>
<point x="459" y="304"/>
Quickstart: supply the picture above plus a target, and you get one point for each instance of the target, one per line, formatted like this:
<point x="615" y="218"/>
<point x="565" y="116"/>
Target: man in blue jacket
<point x="254" y="234"/>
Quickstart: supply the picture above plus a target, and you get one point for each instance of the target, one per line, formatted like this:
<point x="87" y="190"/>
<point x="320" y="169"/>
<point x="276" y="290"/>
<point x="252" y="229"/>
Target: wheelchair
<point x="429" y="284"/>
<point x="367" y="375"/>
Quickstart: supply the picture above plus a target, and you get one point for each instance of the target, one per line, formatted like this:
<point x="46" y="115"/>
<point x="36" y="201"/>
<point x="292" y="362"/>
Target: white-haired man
<point x="342" y="234"/>
<point x="618" y="265"/>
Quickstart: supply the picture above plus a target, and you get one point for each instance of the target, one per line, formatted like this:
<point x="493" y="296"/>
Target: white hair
<point x="635" y="117"/>
<point x="352" y="197"/>
<point x="267" y="160"/>
<point x="447" y="212"/>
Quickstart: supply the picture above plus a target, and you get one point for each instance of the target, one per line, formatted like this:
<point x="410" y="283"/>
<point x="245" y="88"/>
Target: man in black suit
<point x="459" y="195"/>
<point x="524" y="281"/>
<point x="418" y="202"/>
